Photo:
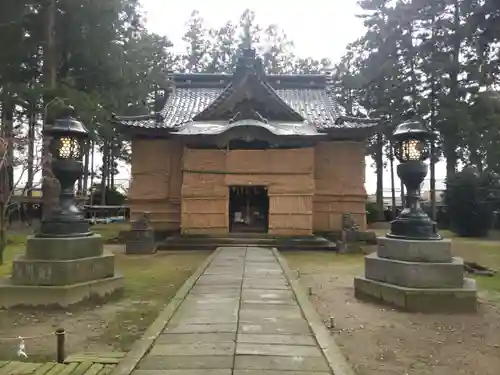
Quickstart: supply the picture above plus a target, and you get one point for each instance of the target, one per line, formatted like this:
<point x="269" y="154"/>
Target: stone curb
<point x="141" y="347"/>
<point x="336" y="360"/>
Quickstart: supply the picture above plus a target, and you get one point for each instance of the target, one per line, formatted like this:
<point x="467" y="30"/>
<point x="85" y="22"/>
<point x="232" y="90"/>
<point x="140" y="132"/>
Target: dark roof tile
<point x="314" y="104"/>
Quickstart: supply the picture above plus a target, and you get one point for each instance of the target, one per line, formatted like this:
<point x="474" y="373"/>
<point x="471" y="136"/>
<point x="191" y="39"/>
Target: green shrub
<point x="113" y="197"/>
<point x="470" y="201"/>
<point x="372" y="212"/>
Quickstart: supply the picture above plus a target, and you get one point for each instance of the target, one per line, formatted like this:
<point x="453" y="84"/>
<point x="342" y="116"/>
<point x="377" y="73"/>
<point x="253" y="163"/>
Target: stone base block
<point x="450" y="300"/>
<point x="436" y="251"/>
<point x="141" y="242"/>
<point x="415" y="274"/>
<point x="64" y="248"/>
<point x="62" y="272"/>
<point x="59" y="296"/>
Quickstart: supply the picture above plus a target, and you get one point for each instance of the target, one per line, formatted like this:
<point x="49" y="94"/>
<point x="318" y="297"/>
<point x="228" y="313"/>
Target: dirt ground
<point x="381" y="341"/>
<point x="150" y="282"/>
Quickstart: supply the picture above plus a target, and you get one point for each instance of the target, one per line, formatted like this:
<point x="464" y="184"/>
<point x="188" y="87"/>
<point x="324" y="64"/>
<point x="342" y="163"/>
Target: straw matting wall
<point x="309" y="189"/>
<point x="156" y="182"/>
<point x="340" y="189"/>
<point x="287" y="174"/>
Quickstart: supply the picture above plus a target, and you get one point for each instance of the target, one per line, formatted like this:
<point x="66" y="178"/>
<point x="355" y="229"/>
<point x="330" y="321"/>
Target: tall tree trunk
<point x="5" y="182"/>
<point x="49" y="183"/>
<point x="108" y="168"/>
<point x="105" y="158"/>
<point x="92" y="163"/>
<point x="31" y="150"/>
<point x="379" y="165"/>
<point x="112" y="167"/>
<point x="451" y="137"/>
<point x="92" y="172"/>
<point x="8" y="135"/>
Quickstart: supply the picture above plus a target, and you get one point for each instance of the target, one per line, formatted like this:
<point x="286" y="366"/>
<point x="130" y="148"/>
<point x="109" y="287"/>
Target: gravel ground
<point x="381" y="341"/>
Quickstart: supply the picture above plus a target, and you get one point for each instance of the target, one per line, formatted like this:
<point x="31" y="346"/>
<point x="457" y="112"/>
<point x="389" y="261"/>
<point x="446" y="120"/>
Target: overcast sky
<point x="318" y="28"/>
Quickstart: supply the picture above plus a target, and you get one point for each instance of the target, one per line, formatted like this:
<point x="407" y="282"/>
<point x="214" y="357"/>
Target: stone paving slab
<point x="271" y="326"/>
<point x="277" y="339"/>
<point x="194" y="349"/>
<point x="268" y="362"/>
<point x="274" y="297"/>
<point x="190" y="372"/>
<point x="204" y="320"/>
<point x="273" y="372"/>
<point x="202" y="328"/>
<point x="180" y="338"/>
<point x="287" y="350"/>
<point x="221" y="291"/>
<point x="193" y="362"/>
<point x="241" y="316"/>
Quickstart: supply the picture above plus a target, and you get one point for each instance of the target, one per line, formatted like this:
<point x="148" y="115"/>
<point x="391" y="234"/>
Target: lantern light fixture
<point x="411" y="148"/>
<point x="69" y="148"/>
<point x="67" y="138"/>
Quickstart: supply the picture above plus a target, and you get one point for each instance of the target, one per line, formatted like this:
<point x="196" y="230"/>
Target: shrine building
<point x="248" y="152"/>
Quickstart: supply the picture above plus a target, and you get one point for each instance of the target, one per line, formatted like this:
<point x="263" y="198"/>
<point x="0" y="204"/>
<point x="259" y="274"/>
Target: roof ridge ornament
<point x="247" y="37"/>
<point x="248" y="64"/>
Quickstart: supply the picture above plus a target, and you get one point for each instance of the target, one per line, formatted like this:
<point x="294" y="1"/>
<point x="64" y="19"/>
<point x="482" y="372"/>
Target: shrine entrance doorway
<point x="248" y="209"/>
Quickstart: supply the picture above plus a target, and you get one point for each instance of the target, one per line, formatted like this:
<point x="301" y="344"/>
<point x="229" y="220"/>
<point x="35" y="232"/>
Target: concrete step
<point x="212" y="242"/>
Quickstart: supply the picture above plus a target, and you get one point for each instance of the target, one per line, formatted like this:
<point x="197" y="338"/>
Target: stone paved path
<point x="240" y="318"/>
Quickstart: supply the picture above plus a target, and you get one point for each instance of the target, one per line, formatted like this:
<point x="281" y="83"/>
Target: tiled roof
<point x="315" y="105"/>
<point x="300" y="100"/>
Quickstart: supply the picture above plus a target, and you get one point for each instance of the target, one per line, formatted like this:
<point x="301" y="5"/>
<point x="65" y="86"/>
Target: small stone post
<point x="141" y="239"/>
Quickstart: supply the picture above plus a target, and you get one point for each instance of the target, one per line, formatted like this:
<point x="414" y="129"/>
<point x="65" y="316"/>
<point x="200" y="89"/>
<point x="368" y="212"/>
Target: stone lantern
<point x="411" y="150"/>
<point x="64" y="263"/>
<point x="67" y="143"/>
<point x="413" y="268"/>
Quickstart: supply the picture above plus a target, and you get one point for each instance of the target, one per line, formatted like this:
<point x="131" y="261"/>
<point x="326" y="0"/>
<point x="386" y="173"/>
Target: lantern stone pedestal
<point x="416" y="276"/>
<point x="59" y="272"/>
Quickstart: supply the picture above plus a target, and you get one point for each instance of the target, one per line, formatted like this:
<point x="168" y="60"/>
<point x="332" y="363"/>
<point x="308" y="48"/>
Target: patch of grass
<point x="485" y="252"/>
<point x="315" y="261"/>
<point x="150" y="283"/>
<point x="10" y="253"/>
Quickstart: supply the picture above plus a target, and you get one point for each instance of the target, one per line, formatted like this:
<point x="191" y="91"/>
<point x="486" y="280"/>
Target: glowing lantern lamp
<point x="67" y="140"/>
<point x="412" y="149"/>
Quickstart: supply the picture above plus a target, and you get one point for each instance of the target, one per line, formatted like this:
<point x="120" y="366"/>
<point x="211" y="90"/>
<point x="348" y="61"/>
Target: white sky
<point x="318" y="28"/>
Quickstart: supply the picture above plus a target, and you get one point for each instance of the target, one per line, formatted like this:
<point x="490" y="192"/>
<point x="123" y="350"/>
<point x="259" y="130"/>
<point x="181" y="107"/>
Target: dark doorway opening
<point x="248" y="209"/>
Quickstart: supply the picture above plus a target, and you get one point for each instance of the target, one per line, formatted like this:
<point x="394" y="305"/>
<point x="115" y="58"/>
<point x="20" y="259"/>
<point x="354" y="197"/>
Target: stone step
<point x="212" y="242"/>
<point x="415" y="274"/>
<point x="424" y="300"/>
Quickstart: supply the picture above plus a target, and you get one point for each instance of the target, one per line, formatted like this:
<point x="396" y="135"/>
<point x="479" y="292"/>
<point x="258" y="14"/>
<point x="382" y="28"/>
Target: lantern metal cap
<point x="412" y="129"/>
<point x="67" y="124"/>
